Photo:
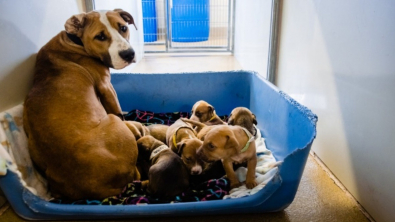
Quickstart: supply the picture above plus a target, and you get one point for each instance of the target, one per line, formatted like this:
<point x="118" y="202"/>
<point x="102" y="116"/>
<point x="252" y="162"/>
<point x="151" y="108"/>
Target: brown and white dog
<point x="181" y="138"/>
<point x="166" y="172"/>
<point x="205" y="113"/>
<point x="72" y="116"/>
<point x="231" y="144"/>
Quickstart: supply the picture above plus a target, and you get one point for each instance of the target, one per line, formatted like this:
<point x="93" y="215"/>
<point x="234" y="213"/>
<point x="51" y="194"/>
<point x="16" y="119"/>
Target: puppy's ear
<point x="254" y="119"/>
<point x="126" y="16"/>
<point x="180" y="147"/>
<point x="75" y="24"/>
<point x="231" y="143"/>
<point x="230" y="120"/>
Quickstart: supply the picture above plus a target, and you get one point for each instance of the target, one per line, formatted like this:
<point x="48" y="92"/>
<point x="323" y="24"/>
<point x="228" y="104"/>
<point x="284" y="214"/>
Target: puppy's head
<point x="242" y="116"/>
<point x="202" y="111"/>
<point x="104" y="35"/>
<point x="219" y="143"/>
<point x="187" y="149"/>
<point x="146" y="145"/>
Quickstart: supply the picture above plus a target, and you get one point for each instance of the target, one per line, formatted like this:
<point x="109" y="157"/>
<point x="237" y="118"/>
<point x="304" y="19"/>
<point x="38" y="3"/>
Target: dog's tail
<point x="199" y="125"/>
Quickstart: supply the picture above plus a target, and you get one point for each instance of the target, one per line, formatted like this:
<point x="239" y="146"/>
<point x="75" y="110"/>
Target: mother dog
<point x="72" y="116"/>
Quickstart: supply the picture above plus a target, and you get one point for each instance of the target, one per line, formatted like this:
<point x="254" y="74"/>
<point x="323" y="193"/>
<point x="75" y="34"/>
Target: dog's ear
<point x="126" y="16"/>
<point x="180" y="147"/>
<point x="75" y="24"/>
<point x="230" y="119"/>
<point x="254" y="119"/>
<point x="231" y="143"/>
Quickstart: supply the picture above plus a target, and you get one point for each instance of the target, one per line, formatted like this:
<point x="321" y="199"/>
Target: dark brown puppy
<point x="158" y="131"/>
<point x="205" y="113"/>
<point x="72" y="115"/>
<point x="167" y="175"/>
<point x="231" y="144"/>
<point x="242" y="116"/>
<point x="181" y="138"/>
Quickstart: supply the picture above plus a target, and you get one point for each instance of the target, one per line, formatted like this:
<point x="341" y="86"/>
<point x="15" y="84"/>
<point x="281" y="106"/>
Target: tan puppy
<point x="138" y="129"/>
<point x="231" y="144"/>
<point x="181" y="138"/>
<point x="158" y="131"/>
<point x="72" y="116"/>
<point x="201" y="128"/>
<point x="166" y="173"/>
<point x="205" y="113"/>
<point x="242" y="116"/>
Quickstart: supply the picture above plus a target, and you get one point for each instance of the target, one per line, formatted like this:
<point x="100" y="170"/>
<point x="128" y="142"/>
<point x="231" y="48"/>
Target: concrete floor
<point x="318" y="197"/>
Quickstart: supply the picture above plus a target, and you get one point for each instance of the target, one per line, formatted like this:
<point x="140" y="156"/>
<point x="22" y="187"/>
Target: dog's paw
<point x="251" y="184"/>
<point x="235" y="184"/>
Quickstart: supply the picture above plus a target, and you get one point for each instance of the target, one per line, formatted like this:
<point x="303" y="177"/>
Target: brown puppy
<point x="138" y="129"/>
<point x="181" y="138"/>
<point x="167" y="175"/>
<point x="231" y="144"/>
<point x="205" y="113"/>
<point x="72" y="114"/>
<point x="158" y="131"/>
<point x="201" y="128"/>
<point x="242" y="116"/>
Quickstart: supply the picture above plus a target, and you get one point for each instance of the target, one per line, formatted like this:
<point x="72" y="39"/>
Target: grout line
<point x="4" y="208"/>
<point x="340" y="185"/>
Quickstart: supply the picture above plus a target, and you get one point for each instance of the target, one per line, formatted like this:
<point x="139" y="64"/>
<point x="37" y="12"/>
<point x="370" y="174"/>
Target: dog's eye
<point x="123" y="28"/>
<point x="188" y="159"/>
<point x="101" y="37"/>
<point x="211" y="146"/>
<point x="198" y="114"/>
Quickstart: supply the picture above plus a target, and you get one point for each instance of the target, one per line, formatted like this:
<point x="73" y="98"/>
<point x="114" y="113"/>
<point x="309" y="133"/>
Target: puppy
<point x="205" y="113"/>
<point x="231" y="144"/>
<point x="242" y="116"/>
<point x="201" y="128"/>
<point x="158" y="131"/>
<point x="181" y="138"/>
<point x="138" y="129"/>
<point x="167" y="175"/>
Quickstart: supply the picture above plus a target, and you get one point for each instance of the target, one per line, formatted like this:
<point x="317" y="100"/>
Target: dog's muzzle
<point x="127" y="55"/>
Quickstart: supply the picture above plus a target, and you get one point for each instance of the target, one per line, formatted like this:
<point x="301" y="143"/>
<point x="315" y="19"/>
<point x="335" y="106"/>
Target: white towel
<point x="14" y="154"/>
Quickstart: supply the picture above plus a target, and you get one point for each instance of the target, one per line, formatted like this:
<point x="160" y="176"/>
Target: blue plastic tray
<point x="288" y="127"/>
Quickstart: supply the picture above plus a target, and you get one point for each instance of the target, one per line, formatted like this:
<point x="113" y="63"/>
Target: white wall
<point x="136" y="36"/>
<point x="252" y="32"/>
<point x="25" y="27"/>
<point x="338" y="58"/>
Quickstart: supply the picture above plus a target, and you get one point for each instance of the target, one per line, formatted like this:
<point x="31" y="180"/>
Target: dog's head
<point x="202" y="111"/>
<point x="104" y="35"/>
<point x="188" y="151"/>
<point x="219" y="143"/>
<point x="242" y="116"/>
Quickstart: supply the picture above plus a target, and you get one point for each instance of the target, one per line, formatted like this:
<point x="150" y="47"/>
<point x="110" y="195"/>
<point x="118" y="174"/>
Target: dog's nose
<point x="127" y="55"/>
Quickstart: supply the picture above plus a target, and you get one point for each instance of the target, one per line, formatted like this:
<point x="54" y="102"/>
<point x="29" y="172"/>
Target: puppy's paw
<point x="251" y="183"/>
<point x="144" y="184"/>
<point x="234" y="184"/>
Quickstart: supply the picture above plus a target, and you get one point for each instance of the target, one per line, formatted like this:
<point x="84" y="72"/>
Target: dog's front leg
<point x="230" y="173"/>
<point x="250" y="180"/>
<point x="109" y="100"/>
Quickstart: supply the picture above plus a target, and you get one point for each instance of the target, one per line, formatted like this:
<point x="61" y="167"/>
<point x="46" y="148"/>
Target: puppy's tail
<point x="199" y="125"/>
